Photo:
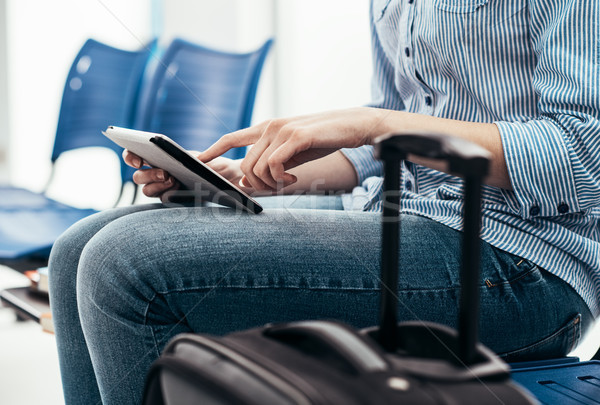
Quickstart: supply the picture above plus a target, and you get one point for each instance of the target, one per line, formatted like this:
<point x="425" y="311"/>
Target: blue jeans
<point x="125" y="281"/>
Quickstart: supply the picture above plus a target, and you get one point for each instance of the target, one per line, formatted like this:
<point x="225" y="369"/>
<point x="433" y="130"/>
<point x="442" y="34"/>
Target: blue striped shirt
<point x="532" y="67"/>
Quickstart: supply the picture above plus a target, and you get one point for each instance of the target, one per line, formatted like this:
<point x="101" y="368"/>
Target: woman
<point x="518" y="77"/>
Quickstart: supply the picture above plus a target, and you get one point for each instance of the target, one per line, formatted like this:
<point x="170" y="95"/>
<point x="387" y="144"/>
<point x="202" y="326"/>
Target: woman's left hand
<point x="281" y="144"/>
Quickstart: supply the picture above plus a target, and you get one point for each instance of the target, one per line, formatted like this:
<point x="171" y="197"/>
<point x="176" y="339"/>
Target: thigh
<point x="216" y="270"/>
<point x="191" y="258"/>
<point x="219" y="270"/>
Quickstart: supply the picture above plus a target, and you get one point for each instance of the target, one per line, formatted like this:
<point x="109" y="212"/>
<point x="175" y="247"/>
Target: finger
<point x="243" y="137"/>
<point x="159" y="188"/>
<point x="244" y="182"/>
<point x="247" y="168"/>
<point x="273" y="172"/>
<point x="132" y="159"/>
<point x="146" y="176"/>
<point x="260" y="168"/>
<point x="277" y="171"/>
<point x="281" y="159"/>
<point x="218" y="164"/>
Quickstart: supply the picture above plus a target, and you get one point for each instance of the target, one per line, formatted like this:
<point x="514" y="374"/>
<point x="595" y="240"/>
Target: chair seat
<point x="567" y="382"/>
<point x="30" y="222"/>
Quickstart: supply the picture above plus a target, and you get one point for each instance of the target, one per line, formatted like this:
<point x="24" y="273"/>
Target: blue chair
<point x="101" y="89"/>
<point x="198" y="94"/>
<point x="565" y="381"/>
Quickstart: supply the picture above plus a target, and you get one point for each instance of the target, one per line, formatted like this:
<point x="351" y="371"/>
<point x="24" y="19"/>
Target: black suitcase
<point x="323" y="362"/>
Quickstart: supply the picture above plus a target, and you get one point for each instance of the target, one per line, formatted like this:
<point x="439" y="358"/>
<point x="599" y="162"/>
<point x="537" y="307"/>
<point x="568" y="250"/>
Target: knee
<point x="66" y="251"/>
<point x="65" y="254"/>
<point x="110" y="276"/>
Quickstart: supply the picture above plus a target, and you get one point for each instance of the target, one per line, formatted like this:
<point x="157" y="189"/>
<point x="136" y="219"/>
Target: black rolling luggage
<point x="321" y="362"/>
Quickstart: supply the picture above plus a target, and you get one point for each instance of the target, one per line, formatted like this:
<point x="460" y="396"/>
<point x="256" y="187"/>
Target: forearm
<point x="303" y="152"/>
<point x="483" y="134"/>
<point x="332" y="173"/>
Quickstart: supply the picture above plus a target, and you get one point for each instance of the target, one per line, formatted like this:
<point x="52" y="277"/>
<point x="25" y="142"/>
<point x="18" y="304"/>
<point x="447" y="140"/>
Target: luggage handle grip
<point x="466" y="159"/>
<point x="353" y="353"/>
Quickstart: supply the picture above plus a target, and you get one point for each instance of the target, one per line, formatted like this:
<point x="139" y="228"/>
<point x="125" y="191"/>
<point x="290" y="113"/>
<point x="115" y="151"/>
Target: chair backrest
<point x="101" y="89"/>
<point x="198" y="94"/>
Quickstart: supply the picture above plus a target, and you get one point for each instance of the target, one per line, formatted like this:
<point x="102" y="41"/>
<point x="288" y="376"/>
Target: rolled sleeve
<point x="539" y="169"/>
<point x="552" y="159"/>
<point x="364" y="162"/>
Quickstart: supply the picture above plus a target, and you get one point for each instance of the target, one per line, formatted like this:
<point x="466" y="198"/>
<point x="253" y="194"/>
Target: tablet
<point x="201" y="181"/>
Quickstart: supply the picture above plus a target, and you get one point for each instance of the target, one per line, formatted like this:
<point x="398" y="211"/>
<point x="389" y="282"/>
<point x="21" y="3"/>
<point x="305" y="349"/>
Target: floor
<point x="29" y="373"/>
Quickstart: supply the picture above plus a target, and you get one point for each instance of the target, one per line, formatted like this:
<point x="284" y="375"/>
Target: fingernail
<point x="245" y="182"/>
<point x="161" y="176"/>
<point x="137" y="162"/>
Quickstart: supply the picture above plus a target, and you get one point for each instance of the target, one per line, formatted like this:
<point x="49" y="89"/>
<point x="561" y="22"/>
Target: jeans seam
<point x="210" y="287"/>
<point x="545" y="340"/>
<point x="574" y="337"/>
<point x="147" y="324"/>
<point x="264" y="287"/>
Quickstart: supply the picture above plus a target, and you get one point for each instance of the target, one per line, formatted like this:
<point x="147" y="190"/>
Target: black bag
<point x="322" y="362"/>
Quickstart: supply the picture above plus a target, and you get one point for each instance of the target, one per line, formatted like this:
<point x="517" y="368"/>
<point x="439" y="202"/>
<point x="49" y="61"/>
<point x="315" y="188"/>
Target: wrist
<point x="383" y="122"/>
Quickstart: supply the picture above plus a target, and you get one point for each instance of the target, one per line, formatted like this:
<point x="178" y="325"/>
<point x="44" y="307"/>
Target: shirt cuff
<point x="539" y="169"/>
<point x="364" y="162"/>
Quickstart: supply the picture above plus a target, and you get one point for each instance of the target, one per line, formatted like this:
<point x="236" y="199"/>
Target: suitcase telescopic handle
<point x="464" y="159"/>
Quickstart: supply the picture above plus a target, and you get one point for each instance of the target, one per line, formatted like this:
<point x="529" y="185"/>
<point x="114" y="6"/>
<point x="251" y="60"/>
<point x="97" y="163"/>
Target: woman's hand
<point x="281" y="144"/>
<point x="230" y="169"/>
<point x="156" y="182"/>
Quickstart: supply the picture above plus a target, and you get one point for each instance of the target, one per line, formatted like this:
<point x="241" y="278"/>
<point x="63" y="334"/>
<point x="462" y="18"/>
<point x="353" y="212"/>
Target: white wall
<point x="4" y="115"/>
<point x="323" y="55"/>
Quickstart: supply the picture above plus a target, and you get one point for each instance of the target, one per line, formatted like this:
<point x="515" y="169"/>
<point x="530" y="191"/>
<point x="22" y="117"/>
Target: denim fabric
<point x="125" y="281"/>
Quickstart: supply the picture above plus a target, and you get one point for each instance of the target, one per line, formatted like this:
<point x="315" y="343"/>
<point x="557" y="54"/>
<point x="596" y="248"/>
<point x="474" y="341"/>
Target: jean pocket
<point x="460" y="6"/>
<point x="516" y="271"/>
<point x="558" y="344"/>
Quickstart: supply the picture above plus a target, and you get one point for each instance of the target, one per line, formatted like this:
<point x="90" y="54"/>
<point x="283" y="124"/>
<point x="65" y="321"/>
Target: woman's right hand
<point x="155" y="182"/>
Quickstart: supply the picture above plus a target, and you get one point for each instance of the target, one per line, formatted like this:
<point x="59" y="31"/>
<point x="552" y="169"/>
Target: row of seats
<point x="189" y="92"/>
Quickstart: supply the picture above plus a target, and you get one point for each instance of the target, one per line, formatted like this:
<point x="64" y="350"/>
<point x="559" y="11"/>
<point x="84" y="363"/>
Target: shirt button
<point x="410" y="1"/>
<point x="407" y="52"/>
<point x="563" y="208"/>
<point x="408" y="185"/>
<point x="534" y="210"/>
<point x="428" y="100"/>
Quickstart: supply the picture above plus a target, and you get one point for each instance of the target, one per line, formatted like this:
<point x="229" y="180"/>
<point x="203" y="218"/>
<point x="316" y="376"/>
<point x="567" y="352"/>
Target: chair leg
<point x="120" y="195"/>
<point x="20" y="318"/>
<point x="50" y="178"/>
<point x="135" y="193"/>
